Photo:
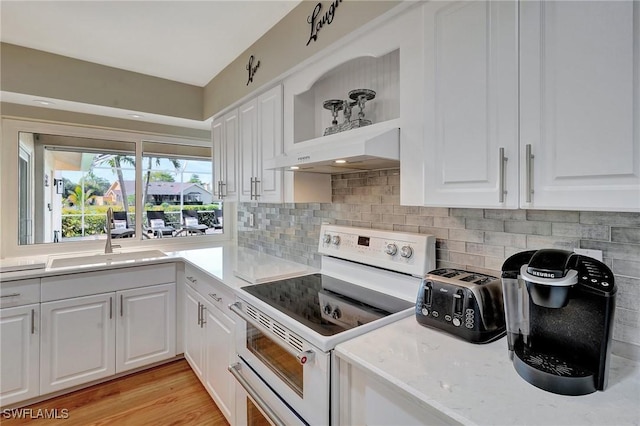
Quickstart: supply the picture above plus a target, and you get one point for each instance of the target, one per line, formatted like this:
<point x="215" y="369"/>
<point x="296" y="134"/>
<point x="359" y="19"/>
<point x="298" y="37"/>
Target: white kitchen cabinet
<point x="471" y="104"/>
<point x="366" y="399"/>
<point x="557" y="131"/>
<point x="193" y="341"/>
<point x="145" y="327"/>
<point x="209" y="339"/>
<point x="77" y="344"/>
<point x="579" y="105"/>
<point x="19" y="353"/>
<point x="260" y="138"/>
<point x="224" y="132"/>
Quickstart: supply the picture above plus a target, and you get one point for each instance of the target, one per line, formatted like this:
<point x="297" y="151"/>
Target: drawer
<point x="88" y="283"/>
<point x="20" y="292"/>
<point x="215" y="292"/>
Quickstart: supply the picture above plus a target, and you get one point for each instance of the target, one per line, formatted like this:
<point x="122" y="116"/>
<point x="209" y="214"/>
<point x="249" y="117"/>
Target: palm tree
<point x="78" y="197"/>
<point x="115" y="162"/>
<point x="174" y="162"/>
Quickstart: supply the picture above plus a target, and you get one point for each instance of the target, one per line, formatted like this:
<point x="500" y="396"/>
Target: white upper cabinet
<point x="580" y="105"/>
<point x="260" y="138"/>
<point x="224" y="133"/>
<point x="471" y="104"/>
<point x="551" y="123"/>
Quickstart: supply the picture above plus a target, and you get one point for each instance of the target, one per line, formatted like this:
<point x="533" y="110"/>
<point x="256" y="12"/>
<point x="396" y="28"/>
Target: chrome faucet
<point x="108" y="247"/>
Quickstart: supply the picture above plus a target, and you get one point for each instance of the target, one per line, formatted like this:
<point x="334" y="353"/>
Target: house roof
<point x="161" y="188"/>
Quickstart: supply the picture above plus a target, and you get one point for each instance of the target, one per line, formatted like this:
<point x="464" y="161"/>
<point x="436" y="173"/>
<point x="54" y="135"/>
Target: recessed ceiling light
<point x="135" y="115"/>
<point x="341" y="161"/>
<point x="294" y="167"/>
<point x="43" y="102"/>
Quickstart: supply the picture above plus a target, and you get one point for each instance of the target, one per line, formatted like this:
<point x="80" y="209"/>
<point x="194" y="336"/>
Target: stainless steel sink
<point x="102" y="259"/>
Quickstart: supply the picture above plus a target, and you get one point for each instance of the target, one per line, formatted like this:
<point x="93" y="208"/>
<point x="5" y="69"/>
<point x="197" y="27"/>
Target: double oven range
<point x="287" y="329"/>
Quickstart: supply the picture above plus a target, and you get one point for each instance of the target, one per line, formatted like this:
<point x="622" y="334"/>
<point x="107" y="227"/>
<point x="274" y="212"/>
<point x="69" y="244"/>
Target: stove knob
<point x="336" y="314"/>
<point x="327" y="309"/>
<point x="391" y="249"/>
<point x="336" y="240"/>
<point x="406" y="251"/>
<point x="326" y="239"/>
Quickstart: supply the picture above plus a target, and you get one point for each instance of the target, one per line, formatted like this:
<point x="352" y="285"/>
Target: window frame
<point x="9" y="152"/>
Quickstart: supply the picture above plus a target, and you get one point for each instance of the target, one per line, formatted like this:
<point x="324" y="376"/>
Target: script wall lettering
<point x="316" y="20"/>
<point x="252" y="69"/>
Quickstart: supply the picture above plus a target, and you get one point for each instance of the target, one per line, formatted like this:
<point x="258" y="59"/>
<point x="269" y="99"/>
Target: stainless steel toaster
<point x="462" y="303"/>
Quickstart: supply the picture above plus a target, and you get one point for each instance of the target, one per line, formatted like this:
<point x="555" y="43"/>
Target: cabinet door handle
<point x="110" y="307"/>
<point x="529" y="171"/>
<point x="10" y="295"/>
<point x="202" y="321"/>
<point x="251" y="186"/>
<point x="121" y="305"/>
<point x="502" y="161"/>
<point x="256" y="181"/>
<point x="222" y="189"/>
<point x="33" y="321"/>
<point x="199" y="313"/>
<point x="215" y="297"/>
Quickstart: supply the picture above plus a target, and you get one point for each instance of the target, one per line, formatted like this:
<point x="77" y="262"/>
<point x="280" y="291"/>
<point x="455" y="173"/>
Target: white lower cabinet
<point x="209" y="342"/>
<point x="93" y="337"/>
<point x="77" y="345"/>
<point x="19" y="353"/>
<point x="145" y="329"/>
<point x="365" y="399"/>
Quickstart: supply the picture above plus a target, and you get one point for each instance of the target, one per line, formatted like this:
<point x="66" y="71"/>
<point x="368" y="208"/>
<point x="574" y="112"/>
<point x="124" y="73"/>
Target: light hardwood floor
<point x="170" y="394"/>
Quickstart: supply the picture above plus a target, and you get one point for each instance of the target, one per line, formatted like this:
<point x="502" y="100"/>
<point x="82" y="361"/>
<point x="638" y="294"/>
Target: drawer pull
<point x="33" y="321"/>
<point x="215" y="297"/>
<point x="121" y="305"/>
<point x="10" y="295"/>
<point x="110" y="307"/>
<point x="193" y="280"/>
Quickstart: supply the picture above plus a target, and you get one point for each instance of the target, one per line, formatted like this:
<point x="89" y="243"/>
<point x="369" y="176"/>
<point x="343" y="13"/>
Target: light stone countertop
<point x="477" y="384"/>
<point x="223" y="261"/>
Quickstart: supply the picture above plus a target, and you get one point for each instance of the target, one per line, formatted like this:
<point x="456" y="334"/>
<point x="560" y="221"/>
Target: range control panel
<point x="399" y="251"/>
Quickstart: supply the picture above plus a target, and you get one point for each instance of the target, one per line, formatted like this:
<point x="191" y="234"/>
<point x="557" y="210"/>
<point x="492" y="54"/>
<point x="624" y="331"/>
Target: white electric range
<point x="289" y="327"/>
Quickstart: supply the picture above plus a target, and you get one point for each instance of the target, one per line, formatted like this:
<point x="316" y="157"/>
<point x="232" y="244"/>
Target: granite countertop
<point x="477" y="384"/>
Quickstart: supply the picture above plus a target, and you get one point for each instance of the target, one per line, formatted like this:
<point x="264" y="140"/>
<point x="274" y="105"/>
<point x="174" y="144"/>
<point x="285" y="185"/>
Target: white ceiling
<point x="185" y="41"/>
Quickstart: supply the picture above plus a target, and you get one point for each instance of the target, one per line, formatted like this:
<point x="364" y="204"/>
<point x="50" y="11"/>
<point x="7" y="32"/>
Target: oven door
<point x="256" y="404"/>
<point x="295" y="370"/>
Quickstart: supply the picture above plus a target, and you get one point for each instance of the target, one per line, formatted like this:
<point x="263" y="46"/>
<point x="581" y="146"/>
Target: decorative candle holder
<point x="333" y="105"/>
<point x="361" y="96"/>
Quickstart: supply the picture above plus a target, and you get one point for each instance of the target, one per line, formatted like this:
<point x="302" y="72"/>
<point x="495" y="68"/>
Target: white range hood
<point x="350" y="151"/>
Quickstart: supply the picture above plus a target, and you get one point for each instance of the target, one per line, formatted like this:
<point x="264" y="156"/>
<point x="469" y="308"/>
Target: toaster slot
<point x="458" y="299"/>
<point x="428" y="293"/>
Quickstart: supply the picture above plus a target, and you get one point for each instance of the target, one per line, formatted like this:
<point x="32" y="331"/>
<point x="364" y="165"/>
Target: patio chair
<point x="191" y="223"/>
<point x="158" y="224"/>
<point x="121" y="227"/>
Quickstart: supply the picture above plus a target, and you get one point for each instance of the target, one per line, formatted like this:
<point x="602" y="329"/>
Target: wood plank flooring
<point x="170" y="394"/>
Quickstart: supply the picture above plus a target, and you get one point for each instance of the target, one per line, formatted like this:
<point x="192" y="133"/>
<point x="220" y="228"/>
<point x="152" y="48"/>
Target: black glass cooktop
<point x="305" y="299"/>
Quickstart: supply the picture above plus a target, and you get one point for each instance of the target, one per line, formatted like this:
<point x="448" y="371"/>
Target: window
<point x="66" y="184"/>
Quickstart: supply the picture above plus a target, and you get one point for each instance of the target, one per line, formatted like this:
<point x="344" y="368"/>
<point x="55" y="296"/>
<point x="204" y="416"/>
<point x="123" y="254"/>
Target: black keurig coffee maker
<point x="559" y="310"/>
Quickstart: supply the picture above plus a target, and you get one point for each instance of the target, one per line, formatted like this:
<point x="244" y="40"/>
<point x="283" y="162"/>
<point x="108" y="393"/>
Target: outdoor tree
<point x="116" y="162"/>
<point x="174" y="162"/>
<point x="161" y="177"/>
<point x="195" y="179"/>
<point x="78" y="197"/>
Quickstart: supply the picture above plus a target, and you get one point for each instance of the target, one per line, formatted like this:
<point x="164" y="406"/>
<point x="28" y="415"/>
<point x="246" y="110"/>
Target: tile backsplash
<point x="474" y="239"/>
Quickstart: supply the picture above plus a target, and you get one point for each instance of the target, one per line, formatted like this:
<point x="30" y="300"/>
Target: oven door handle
<point x="303" y="357"/>
<point x="234" y="369"/>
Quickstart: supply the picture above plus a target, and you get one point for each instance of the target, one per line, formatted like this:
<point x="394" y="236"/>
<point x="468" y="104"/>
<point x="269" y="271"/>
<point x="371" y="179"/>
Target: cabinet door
<point x="580" y="105"/>
<point x="230" y="156"/>
<point x="269" y="186"/>
<point x="78" y="341"/>
<point x="471" y="107"/>
<point x="146" y="326"/>
<point x="193" y="330"/>
<point x="19" y="353"/>
<point x="219" y="351"/>
<point x="247" y="142"/>
<point x="217" y="137"/>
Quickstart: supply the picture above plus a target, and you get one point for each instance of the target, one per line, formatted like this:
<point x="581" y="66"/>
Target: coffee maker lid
<point x="571" y="278"/>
